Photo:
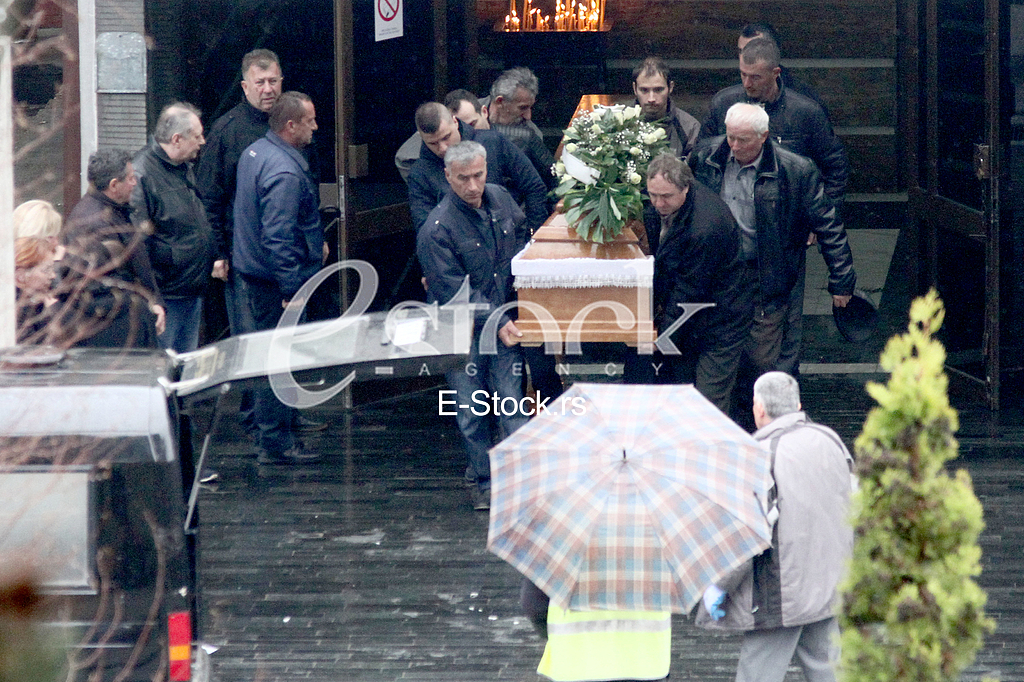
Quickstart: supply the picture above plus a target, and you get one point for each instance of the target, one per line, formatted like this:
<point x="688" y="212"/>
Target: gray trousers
<point x="765" y="654"/>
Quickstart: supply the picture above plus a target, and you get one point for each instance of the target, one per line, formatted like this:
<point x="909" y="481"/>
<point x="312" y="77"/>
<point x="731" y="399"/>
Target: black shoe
<point x="208" y="476"/>
<point x="293" y="455"/>
<point x="481" y="499"/>
<point x="308" y="425"/>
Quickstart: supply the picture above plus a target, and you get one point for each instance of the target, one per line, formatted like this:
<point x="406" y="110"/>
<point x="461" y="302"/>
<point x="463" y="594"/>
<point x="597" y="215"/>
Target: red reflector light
<point x="179" y="641"/>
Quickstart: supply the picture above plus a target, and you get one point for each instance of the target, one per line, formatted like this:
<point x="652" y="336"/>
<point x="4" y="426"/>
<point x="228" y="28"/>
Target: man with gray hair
<point x="695" y="242"/>
<point x="777" y="198"/>
<point x="167" y="208"/>
<point x="801" y="125"/>
<point x="784" y="600"/>
<point x="510" y="112"/>
<point x="510" y="105"/>
<point x="470" y="238"/>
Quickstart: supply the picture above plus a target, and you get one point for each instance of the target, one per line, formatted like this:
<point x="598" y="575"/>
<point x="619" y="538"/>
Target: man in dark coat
<point x="108" y="295"/>
<point x="777" y="198"/>
<point x="696" y="246"/>
<point x="794" y="121"/>
<point x="801" y="125"/>
<point x="167" y="207"/>
<point x="230" y="134"/>
<point x="278" y="245"/>
<point x="473" y="234"/>
<point x="509" y="111"/>
<point x="506" y="165"/>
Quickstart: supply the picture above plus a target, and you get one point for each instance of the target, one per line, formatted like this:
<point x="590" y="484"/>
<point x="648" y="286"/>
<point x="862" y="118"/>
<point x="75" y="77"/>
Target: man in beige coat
<point x="784" y="600"/>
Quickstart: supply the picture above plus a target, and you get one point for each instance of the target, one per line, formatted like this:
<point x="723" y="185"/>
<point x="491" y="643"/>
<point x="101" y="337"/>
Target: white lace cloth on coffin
<point x="581" y="273"/>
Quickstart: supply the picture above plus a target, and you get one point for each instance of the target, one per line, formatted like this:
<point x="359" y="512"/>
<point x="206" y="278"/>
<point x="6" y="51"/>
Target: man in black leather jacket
<point x="778" y="198"/>
<point x="797" y="123"/>
<point x="794" y="121"/>
<point x="166" y="206"/>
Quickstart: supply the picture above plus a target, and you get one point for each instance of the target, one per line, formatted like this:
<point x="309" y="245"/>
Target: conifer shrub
<point x="911" y="609"/>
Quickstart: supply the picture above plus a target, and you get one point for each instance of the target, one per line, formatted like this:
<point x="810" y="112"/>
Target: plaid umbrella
<point x="628" y="498"/>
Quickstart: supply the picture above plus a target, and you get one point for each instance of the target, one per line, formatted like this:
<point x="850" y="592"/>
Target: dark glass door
<point x="952" y="101"/>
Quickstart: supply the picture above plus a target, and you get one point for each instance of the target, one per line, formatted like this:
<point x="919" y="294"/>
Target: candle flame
<point x="569" y="15"/>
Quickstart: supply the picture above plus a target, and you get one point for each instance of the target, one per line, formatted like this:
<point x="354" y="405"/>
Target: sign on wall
<point x="388" y="19"/>
<point x="121" y="62"/>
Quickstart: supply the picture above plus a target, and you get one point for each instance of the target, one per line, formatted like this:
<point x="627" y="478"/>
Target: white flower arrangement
<point x="603" y="162"/>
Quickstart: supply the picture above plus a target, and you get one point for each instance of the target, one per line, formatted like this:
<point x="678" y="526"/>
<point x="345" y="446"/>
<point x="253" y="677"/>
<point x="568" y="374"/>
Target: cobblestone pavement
<point x="372" y="566"/>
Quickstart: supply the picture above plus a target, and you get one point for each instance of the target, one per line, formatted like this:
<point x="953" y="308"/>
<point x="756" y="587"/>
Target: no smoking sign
<point x="388" y="19"/>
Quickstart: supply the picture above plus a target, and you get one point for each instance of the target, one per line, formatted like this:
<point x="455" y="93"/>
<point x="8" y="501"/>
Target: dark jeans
<point x="239" y="320"/>
<point x="181" y="332"/>
<point x="484" y="376"/>
<point x="273" y="419"/>
<point x="543" y="373"/>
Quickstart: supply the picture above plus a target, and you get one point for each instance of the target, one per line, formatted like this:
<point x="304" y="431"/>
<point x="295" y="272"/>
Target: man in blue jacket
<point x="506" y="165"/>
<point x="469" y="239"/>
<point x="278" y="244"/>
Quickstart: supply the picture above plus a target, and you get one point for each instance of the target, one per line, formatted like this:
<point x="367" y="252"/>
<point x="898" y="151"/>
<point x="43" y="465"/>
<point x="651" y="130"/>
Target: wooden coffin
<point x="592" y="292"/>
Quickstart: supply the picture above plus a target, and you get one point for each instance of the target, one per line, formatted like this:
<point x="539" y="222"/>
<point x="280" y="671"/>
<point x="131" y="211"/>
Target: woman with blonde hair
<point x="38" y="218"/>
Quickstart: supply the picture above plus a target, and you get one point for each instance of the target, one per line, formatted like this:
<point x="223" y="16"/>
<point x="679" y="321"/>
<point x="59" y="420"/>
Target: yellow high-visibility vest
<point x="606" y="645"/>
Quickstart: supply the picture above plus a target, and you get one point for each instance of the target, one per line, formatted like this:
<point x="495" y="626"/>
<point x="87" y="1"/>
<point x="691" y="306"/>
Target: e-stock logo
<point x="466" y="315"/>
<point x="482" y="404"/>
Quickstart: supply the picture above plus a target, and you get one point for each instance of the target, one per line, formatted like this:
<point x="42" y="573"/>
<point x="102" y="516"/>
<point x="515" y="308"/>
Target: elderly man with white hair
<point x="777" y="198"/>
<point x="784" y="600"/>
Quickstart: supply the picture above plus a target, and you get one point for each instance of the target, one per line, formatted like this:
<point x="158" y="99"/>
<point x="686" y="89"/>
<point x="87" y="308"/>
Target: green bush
<point x="911" y="609"/>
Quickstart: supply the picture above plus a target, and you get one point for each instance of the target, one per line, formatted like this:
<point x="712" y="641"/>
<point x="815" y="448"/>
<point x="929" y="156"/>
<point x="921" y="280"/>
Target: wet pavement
<point x="371" y="565"/>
